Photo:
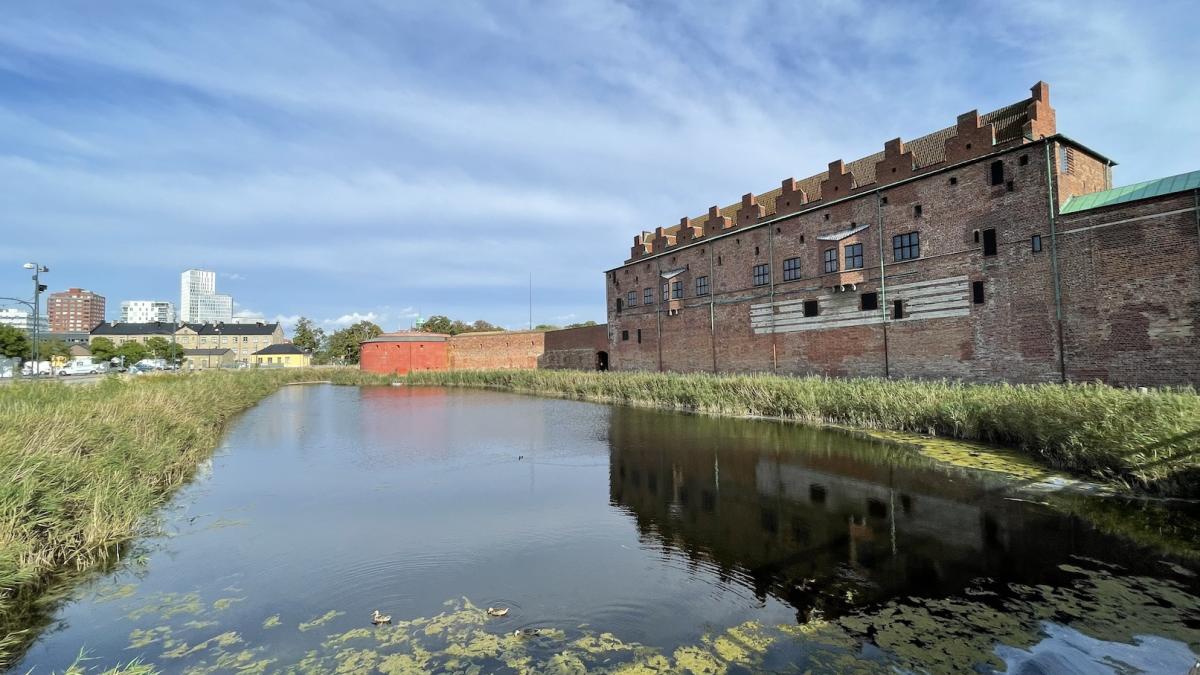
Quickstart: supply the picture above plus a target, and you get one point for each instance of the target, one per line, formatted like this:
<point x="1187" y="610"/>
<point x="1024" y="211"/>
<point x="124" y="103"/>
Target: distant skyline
<point x="376" y="162"/>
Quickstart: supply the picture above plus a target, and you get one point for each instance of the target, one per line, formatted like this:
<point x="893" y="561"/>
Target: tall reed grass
<point x="82" y="465"/>
<point x="1150" y="441"/>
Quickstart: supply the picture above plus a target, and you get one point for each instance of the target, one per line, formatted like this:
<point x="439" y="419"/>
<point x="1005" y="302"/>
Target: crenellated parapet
<point x="687" y="232"/>
<point x="838" y="183"/>
<point x="750" y="210"/>
<point x="897" y="163"/>
<point x="1041" y="121"/>
<point x="716" y="223"/>
<point x="972" y="138"/>
<point x="791" y="197"/>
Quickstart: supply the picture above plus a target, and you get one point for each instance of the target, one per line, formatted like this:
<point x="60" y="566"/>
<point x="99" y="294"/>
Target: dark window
<point x="810" y="308"/>
<point x="989" y="241"/>
<point x="898" y="309"/>
<point x="1064" y="160"/>
<point x="631" y="298"/>
<point x="755" y="250"/>
<point x="854" y="257"/>
<point x="831" y="260"/>
<point x="1036" y="243"/>
<point x="917" y="211"/>
<point x="762" y="275"/>
<point x="883" y="200"/>
<point x="977" y="292"/>
<point x="666" y="291"/>
<point x="1024" y="160"/>
<point x="624" y="335"/>
<point x="906" y="246"/>
<point x="677" y="289"/>
<point x="639" y="336"/>
<point x="976" y="233"/>
<point x="620" y="304"/>
<point x="869" y="301"/>
<point x="701" y="285"/>
<point x="791" y="269"/>
<point x="996" y="172"/>
<point x="1010" y="186"/>
<point x="648" y="296"/>
<point x="718" y="260"/>
<point x="953" y="180"/>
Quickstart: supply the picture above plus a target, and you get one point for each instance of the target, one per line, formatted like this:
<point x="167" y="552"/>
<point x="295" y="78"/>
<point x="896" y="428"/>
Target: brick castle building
<point x="995" y="249"/>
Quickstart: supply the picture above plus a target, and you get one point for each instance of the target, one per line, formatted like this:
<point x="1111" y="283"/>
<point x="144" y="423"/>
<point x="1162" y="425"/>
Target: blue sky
<point x="379" y="159"/>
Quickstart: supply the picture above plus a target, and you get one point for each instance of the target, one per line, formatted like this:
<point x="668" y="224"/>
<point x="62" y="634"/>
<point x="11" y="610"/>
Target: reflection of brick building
<point x="826" y="520"/>
<point x="75" y="310"/>
<point x="991" y="250"/>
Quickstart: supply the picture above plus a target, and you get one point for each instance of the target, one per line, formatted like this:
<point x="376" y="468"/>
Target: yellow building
<point x="242" y="339"/>
<point x="204" y="359"/>
<point x="286" y="355"/>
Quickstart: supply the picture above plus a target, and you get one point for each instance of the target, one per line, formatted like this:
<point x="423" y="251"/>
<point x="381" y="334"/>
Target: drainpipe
<point x="887" y="371"/>
<point x="771" y="299"/>
<point x="1058" y="320"/>
<point x="712" y="310"/>
<point x="662" y="303"/>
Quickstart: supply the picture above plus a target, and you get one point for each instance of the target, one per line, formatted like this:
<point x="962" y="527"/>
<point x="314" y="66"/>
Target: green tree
<point x="160" y="348"/>
<point x="307" y="336"/>
<point x="344" y="344"/>
<point x="54" y="347"/>
<point x="14" y="342"/>
<point x="437" y="324"/>
<point x="132" y="352"/>
<point x="481" y="326"/>
<point x="545" y="326"/>
<point x="581" y="325"/>
<point x="103" y="349"/>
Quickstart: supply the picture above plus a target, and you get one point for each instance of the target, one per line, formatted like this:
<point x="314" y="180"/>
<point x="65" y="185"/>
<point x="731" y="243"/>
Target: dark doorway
<point x="601" y="360"/>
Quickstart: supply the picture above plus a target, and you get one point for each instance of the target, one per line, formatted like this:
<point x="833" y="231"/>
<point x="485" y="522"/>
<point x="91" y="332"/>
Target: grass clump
<point x="1149" y="441"/>
<point x="83" y="464"/>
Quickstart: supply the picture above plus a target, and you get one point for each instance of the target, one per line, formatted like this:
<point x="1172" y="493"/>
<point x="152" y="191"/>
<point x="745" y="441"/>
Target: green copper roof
<point x="1129" y="193"/>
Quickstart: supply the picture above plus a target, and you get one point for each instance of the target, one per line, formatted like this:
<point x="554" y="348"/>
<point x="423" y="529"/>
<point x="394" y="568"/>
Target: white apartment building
<point x="22" y="319"/>
<point x="199" y="301"/>
<point x="147" y="311"/>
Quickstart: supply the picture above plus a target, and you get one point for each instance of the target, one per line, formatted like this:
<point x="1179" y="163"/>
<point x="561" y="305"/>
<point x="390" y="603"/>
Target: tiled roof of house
<point x="282" y="348"/>
<point x="233" y="328"/>
<point x="119" y="328"/>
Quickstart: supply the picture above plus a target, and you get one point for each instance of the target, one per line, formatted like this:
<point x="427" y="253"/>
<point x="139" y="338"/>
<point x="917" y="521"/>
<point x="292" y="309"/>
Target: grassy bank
<point x="1148" y="441"/>
<point x="82" y="465"/>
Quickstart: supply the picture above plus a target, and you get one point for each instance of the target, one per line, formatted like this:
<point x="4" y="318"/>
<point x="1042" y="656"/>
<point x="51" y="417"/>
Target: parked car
<point x="41" y="368"/>
<point x="80" y="368"/>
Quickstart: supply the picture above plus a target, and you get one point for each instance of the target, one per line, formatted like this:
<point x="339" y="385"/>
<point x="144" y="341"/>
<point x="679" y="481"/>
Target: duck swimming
<point x="497" y="611"/>
<point x="377" y="618"/>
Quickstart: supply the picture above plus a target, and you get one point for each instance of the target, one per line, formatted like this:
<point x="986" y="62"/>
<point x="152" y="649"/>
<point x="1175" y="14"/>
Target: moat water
<point x="617" y="538"/>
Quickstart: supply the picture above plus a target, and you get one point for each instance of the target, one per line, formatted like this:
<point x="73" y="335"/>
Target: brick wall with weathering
<point x="583" y="348"/>
<point x="1131" y="292"/>
<point x="400" y="354"/>
<point x="507" y="350"/>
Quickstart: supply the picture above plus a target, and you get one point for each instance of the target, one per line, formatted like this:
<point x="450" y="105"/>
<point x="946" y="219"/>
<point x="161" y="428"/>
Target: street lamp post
<point x="37" y="294"/>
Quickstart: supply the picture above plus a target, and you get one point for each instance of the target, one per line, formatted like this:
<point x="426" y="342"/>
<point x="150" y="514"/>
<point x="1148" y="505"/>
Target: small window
<point x="989" y="241"/>
<point x="1064" y="160"/>
<point x="898" y="309"/>
<point x="620" y="305"/>
<point x="977" y="292"/>
<point x="906" y="246"/>
<point x="953" y="180"/>
<point x="1010" y="186"/>
<point x="677" y="289"/>
<point x="831" y="261"/>
<point x="718" y="261"/>
<point x="810" y="308"/>
<point x="624" y="336"/>
<point x="1035" y="243"/>
<point x="755" y="250"/>
<point x="826" y="216"/>
<point x="791" y="269"/>
<point x="869" y="301"/>
<point x="976" y="235"/>
<point x="648" y="296"/>
<point x="762" y="275"/>
<point x="631" y="298"/>
<point x="701" y="285"/>
<point x="1024" y="160"/>
<point x="996" y="172"/>
<point x="639" y="336"/>
<point x="854" y="257"/>
<point x="917" y="211"/>
<point x="801" y="239"/>
<point x="883" y="200"/>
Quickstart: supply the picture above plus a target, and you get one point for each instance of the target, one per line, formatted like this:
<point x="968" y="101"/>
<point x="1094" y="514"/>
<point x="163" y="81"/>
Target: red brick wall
<point x="1131" y="292"/>
<point x="496" y="351"/>
<point x="402" y="357"/>
<point x="575" y="348"/>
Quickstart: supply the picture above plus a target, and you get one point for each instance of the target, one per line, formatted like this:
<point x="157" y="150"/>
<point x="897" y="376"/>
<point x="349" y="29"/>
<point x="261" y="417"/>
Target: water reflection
<point x="818" y="521"/>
